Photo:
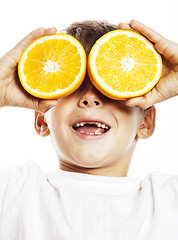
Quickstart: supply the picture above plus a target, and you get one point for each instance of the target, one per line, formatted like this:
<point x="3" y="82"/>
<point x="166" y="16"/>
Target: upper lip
<point x="90" y="119"/>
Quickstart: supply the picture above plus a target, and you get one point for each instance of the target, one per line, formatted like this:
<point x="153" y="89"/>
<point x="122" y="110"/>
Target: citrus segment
<point x="52" y="66"/>
<point x="124" y="64"/>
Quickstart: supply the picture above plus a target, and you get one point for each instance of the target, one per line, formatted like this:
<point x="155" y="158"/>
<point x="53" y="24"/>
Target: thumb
<point x="147" y="100"/>
<point x="40" y="105"/>
<point x="45" y="105"/>
<point x="16" y="52"/>
<point x="140" y="102"/>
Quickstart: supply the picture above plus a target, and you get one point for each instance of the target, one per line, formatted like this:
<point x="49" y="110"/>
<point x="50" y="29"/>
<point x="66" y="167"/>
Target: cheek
<point x="57" y="131"/>
<point x="56" y="120"/>
<point x="128" y="126"/>
<point x="58" y="114"/>
<point x="53" y="117"/>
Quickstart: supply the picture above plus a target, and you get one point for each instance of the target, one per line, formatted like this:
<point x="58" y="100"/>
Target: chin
<point x="90" y="159"/>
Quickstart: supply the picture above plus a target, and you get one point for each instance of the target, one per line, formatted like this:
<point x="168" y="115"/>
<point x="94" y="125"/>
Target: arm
<point x="167" y="86"/>
<point x="11" y="91"/>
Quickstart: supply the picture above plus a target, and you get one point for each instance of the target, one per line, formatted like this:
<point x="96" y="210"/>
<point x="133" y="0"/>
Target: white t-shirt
<point x="75" y="206"/>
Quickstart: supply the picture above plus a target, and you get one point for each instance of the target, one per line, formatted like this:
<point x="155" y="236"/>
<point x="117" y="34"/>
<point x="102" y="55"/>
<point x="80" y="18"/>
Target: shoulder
<point x="24" y="171"/>
<point x="160" y="178"/>
<point x="18" y="181"/>
<point x="161" y="184"/>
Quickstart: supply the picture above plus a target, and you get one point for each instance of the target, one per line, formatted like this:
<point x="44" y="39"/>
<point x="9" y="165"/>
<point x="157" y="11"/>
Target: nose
<point x="90" y="97"/>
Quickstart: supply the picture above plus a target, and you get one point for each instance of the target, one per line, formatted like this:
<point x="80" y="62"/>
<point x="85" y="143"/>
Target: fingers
<point x="169" y="50"/>
<point x="40" y="105"/>
<point x="45" y="105"/>
<point x="24" y="43"/>
<point x="147" y="100"/>
<point x="164" y="46"/>
<point x="142" y="29"/>
<point x="140" y="102"/>
<point x="152" y="35"/>
<point x="50" y="31"/>
<point x="124" y="26"/>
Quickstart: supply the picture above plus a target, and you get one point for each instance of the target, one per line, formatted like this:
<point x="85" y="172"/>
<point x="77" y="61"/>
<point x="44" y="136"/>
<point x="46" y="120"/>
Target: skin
<point x="110" y="155"/>
<point x="88" y="155"/>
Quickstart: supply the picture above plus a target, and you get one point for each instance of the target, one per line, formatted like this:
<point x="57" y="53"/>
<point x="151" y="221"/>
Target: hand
<point x="167" y="86"/>
<point x="11" y="91"/>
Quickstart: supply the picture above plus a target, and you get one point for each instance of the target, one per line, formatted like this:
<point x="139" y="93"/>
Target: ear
<point x="40" y="124"/>
<point x="147" y="125"/>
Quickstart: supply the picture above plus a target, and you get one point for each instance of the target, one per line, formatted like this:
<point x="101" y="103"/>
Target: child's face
<point x="79" y="150"/>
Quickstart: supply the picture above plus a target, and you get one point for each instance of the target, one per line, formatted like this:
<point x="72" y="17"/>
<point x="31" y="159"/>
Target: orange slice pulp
<point x="52" y="66"/>
<point x="124" y="64"/>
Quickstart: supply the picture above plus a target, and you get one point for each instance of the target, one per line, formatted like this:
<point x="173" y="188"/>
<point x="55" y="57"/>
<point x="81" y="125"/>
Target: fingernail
<point x="51" y="30"/>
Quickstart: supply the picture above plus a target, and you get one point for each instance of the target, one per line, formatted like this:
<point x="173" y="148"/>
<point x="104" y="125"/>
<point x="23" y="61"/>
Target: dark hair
<point x="88" y="32"/>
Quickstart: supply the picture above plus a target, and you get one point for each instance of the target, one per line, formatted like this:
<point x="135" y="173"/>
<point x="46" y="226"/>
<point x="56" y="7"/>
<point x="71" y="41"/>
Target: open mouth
<point x="91" y="128"/>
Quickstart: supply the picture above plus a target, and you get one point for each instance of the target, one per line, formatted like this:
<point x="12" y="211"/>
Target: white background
<point x="18" y="139"/>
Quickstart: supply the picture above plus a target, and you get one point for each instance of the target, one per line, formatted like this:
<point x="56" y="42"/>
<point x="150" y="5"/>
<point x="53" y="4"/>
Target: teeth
<point x="81" y="124"/>
<point x="102" y="125"/>
<point x="97" y="133"/>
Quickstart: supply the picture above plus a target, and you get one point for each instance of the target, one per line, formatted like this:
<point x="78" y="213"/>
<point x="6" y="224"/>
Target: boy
<point x="90" y="196"/>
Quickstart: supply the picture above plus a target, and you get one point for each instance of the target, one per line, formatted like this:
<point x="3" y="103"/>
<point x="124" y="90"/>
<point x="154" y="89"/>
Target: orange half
<point x="124" y="64"/>
<point x="52" y="66"/>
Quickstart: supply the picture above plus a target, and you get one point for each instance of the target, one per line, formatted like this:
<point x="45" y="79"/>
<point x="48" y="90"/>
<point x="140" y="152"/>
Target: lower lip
<point x="87" y="136"/>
